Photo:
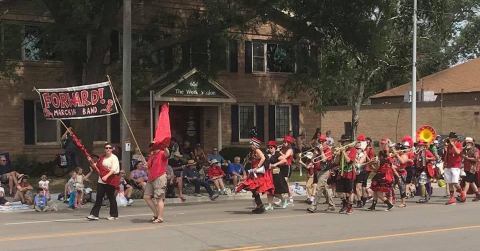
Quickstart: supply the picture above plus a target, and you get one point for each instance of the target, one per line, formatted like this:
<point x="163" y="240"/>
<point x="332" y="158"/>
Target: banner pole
<point x="125" y="117"/>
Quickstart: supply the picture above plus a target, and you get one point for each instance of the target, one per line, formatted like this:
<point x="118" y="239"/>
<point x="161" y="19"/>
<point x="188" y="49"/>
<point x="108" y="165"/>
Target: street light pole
<point x="414" y="73"/>
<point x="127" y="80"/>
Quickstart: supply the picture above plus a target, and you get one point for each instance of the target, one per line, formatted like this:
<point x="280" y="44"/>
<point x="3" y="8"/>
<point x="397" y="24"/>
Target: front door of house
<point x="185" y="123"/>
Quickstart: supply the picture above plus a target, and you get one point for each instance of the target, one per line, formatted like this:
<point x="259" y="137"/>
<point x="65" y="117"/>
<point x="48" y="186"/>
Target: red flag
<point x="163" y="134"/>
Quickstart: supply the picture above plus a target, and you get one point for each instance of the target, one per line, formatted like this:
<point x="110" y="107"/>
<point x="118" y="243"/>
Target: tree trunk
<point x="356" y="105"/>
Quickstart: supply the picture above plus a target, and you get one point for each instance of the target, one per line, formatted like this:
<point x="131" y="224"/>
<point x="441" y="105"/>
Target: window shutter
<point x="29" y="121"/>
<point x="248" y="56"/>
<point x="260" y="122"/>
<point x="233" y="55"/>
<point x="234" y="120"/>
<point x="295" y="120"/>
<point x="115" y="128"/>
<point x="271" y="122"/>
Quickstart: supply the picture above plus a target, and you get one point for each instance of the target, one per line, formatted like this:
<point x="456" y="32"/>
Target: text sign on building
<point x="195" y="86"/>
<point x="86" y="101"/>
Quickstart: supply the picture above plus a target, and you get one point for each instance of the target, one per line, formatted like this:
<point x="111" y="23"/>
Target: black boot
<point x="364" y="201"/>
<point x="259" y="210"/>
<point x="344" y="206"/>
<point x="389" y="205"/>
<point x="372" y="207"/>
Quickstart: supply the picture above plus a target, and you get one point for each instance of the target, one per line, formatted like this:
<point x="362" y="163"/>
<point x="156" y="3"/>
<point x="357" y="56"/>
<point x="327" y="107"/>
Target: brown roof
<point x="457" y="79"/>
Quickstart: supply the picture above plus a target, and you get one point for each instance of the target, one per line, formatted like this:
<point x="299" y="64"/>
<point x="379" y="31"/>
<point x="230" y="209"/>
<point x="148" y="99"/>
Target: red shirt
<point x="370" y="154"/>
<point x="157" y="165"/>
<point x="215" y="171"/>
<point x="328" y="153"/>
<point x="467" y="164"/>
<point x="352" y="155"/>
<point x="453" y="159"/>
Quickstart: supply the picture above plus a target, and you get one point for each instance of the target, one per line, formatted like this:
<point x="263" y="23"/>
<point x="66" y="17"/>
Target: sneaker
<point x="130" y="202"/>
<point x="451" y="201"/>
<point x="214" y="196"/>
<point x="112" y="218"/>
<point x="259" y="210"/>
<point x="285" y="204"/>
<point x="463" y="196"/>
<point x="92" y="217"/>
<point x="477" y="197"/>
<point x="269" y="207"/>
<point x="423" y="200"/>
<point x="350" y="210"/>
<point x="342" y="210"/>
<point x="330" y="208"/>
<point x="290" y="201"/>
<point x="312" y="209"/>
<point x="197" y="195"/>
<point x="243" y="191"/>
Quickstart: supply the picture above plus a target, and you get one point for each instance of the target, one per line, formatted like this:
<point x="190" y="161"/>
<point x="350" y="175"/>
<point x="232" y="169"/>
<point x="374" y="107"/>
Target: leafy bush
<point x="30" y="166"/>
<point x="230" y="152"/>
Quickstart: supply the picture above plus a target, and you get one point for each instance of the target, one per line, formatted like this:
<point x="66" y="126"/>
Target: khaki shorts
<point x="157" y="187"/>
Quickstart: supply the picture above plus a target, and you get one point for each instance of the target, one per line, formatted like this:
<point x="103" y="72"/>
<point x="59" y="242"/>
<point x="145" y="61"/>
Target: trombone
<point x="339" y="149"/>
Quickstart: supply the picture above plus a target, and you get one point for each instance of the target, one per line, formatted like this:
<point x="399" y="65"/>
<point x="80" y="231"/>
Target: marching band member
<point x="470" y="164"/>
<point x="361" y="173"/>
<point x="405" y="160"/>
<point x="346" y="176"/>
<point x="385" y="175"/>
<point x="322" y="173"/>
<point x="424" y="162"/>
<point x="287" y="154"/>
<point x="279" y="182"/>
<point x="259" y="179"/>
<point x="453" y="160"/>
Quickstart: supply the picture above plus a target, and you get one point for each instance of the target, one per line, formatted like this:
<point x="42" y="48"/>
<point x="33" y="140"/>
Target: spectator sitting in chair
<point x="218" y="157"/>
<point x="216" y="174"/>
<point x="177" y="165"/>
<point x="236" y="172"/>
<point x="24" y="190"/>
<point x="139" y="175"/>
<point x="7" y="174"/>
<point x="192" y="175"/>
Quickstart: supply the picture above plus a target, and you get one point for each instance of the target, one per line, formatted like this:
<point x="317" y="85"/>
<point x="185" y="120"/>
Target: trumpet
<point x="339" y="149"/>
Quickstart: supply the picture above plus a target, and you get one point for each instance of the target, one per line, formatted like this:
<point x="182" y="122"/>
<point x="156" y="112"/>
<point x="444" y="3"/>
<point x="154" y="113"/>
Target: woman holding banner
<point x="110" y="162"/>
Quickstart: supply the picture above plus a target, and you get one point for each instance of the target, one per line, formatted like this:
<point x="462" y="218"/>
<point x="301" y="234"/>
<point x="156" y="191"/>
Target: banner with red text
<point x="79" y="102"/>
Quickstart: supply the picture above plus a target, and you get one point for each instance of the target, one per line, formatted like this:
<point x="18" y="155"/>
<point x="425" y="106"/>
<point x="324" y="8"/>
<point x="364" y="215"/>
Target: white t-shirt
<point x="111" y="163"/>
<point x="43" y="184"/>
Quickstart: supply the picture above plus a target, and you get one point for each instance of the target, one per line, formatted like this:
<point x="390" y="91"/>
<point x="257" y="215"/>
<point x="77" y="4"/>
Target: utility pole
<point x="127" y="80"/>
<point x="414" y="74"/>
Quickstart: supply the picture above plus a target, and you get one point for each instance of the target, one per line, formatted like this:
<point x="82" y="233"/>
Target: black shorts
<point x="362" y="178"/>
<point x="285" y="171"/>
<point x="411" y="173"/>
<point x="344" y="185"/>
<point x="470" y="178"/>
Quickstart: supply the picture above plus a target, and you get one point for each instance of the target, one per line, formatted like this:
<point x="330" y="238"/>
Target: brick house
<point x="455" y="106"/>
<point x="214" y="112"/>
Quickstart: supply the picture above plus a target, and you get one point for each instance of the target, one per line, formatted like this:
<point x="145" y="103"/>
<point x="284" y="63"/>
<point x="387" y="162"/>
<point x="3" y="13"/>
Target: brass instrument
<point x="339" y="149"/>
<point x="394" y="152"/>
<point x="426" y="133"/>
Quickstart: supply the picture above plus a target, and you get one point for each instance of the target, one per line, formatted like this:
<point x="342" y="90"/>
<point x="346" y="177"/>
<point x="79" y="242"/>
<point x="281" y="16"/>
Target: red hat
<point x="361" y="137"/>
<point x="408" y="139"/>
<point x="421" y="143"/>
<point x="288" y="139"/>
<point x="322" y="138"/>
<point x="272" y="143"/>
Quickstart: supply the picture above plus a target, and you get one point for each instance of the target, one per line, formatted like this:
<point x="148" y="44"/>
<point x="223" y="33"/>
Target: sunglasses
<point x="108" y="147"/>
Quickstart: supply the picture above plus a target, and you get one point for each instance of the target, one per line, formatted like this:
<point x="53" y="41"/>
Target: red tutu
<point x="262" y="183"/>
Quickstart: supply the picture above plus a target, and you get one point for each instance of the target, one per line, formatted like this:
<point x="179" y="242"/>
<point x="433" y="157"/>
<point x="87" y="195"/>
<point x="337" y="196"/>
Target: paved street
<point x="228" y="225"/>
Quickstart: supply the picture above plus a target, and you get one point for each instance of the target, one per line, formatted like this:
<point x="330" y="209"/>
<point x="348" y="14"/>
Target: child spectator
<point x="139" y="175"/>
<point x="70" y="190"/>
<point x="236" y="171"/>
<point x="79" y="186"/>
<point x="216" y="174"/>
<point x="24" y="190"/>
<point x="41" y="202"/>
<point x="125" y="189"/>
<point x="44" y="184"/>
<point x="3" y="201"/>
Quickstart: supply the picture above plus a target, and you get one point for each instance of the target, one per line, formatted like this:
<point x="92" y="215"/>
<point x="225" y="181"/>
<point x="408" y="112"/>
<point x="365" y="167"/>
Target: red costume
<point x="384" y="178"/>
<point x="259" y="182"/>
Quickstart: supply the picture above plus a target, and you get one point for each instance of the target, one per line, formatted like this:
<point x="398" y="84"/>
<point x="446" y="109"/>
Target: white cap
<point x="214" y="161"/>
<point x="469" y="140"/>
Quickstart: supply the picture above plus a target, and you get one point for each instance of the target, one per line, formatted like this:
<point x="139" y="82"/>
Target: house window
<point x="246" y="119"/>
<point x="282" y="121"/>
<point x="272" y="57"/>
<point x="37" y="45"/>
<point x="46" y="131"/>
<point x="11" y="40"/>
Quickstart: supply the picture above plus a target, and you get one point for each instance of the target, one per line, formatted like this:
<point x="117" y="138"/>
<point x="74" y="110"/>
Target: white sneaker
<point x="92" y="217"/>
<point x="130" y="202"/>
<point x="112" y="218"/>
<point x="285" y="204"/>
<point x="269" y="207"/>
